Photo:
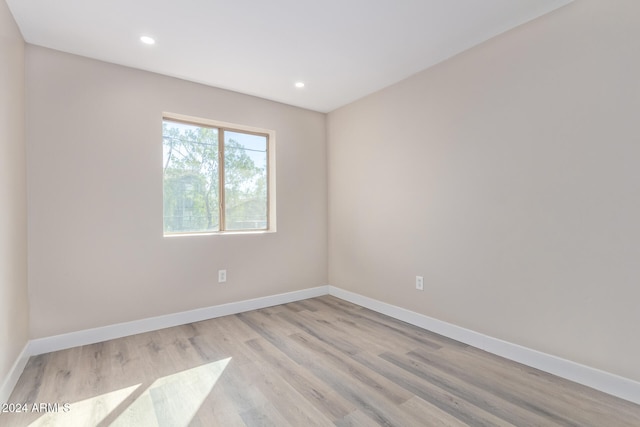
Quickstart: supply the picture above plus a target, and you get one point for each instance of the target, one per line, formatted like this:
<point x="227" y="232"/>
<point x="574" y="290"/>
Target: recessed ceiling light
<point x="147" y="40"/>
<point x="299" y="85"/>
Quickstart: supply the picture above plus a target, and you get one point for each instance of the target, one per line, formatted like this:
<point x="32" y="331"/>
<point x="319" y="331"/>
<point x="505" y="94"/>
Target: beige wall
<point x="14" y="306"/>
<point x="96" y="251"/>
<point x="509" y="178"/>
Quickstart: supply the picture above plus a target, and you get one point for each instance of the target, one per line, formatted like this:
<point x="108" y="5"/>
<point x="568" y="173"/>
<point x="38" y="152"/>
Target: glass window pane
<point x="245" y="174"/>
<point x="191" y="178"/>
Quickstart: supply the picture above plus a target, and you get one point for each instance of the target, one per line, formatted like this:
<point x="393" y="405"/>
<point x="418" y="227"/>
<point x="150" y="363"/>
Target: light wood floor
<point x="318" y="362"/>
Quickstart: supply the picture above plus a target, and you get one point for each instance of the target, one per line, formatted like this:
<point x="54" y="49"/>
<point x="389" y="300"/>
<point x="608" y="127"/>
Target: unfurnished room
<point x="319" y="213"/>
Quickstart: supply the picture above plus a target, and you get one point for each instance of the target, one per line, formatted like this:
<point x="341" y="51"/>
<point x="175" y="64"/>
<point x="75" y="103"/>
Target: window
<point x="216" y="177"/>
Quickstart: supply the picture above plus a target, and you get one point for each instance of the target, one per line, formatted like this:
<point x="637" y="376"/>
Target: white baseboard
<point x="606" y="382"/>
<point x="119" y="330"/>
<point x="13" y="376"/>
<point x="615" y="385"/>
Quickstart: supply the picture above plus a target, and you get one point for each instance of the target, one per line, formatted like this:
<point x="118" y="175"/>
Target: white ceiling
<point x="342" y="49"/>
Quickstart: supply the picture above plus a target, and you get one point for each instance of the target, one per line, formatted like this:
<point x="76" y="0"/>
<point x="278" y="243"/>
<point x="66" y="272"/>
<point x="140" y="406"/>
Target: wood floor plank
<point x="372" y="393"/>
<point x="530" y="388"/>
<point x="516" y="414"/>
<point x="352" y="370"/>
<point x="339" y="327"/>
<point x="315" y="391"/>
<point x="569" y="394"/>
<point x="355" y="419"/>
<point x="321" y="332"/>
<point x="430" y="415"/>
<point x="281" y="395"/>
<point x="316" y="362"/>
<point x="390" y="326"/>
<point x="264" y="416"/>
<point x="31" y="379"/>
<point x="351" y="391"/>
<point x="436" y="396"/>
<point x="521" y="395"/>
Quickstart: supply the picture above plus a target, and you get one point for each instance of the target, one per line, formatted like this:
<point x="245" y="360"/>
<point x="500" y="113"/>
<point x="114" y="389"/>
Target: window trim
<point x="270" y="151"/>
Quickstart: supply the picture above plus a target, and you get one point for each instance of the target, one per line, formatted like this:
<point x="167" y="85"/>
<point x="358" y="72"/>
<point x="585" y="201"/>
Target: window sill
<point x="219" y="233"/>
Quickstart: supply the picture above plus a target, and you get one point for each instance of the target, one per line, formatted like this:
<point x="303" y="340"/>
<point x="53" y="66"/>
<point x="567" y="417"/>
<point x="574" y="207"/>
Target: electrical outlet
<point x="420" y="283"/>
<point x="222" y="276"/>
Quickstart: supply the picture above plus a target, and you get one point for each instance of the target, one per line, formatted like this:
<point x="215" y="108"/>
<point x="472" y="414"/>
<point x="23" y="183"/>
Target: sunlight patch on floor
<point x="88" y="412"/>
<point x="171" y="400"/>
